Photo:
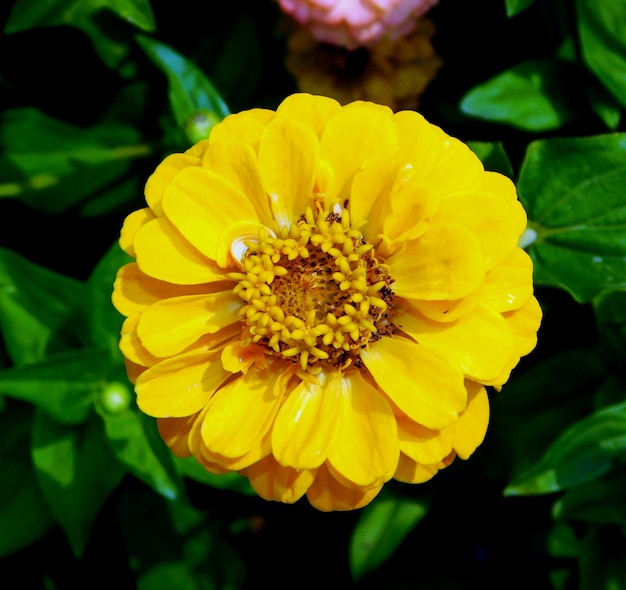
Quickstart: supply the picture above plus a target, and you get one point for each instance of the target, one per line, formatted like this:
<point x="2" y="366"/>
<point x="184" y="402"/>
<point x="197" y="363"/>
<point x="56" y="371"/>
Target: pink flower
<point x="353" y="23"/>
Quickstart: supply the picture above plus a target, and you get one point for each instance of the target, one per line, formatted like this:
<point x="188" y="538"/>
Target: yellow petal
<point x="133" y="222"/>
<point x="509" y="285"/>
<point x="236" y="162"/>
<point x="163" y="176"/>
<point x="307" y="423"/>
<point x="164" y="254"/>
<point x="130" y="345"/>
<point x="327" y="494"/>
<point x="471" y="427"/>
<point x="312" y="110"/>
<point x="409" y="471"/>
<point x="427" y="387"/>
<point x="422" y="444"/>
<point x="170" y="325"/>
<point x="272" y="481"/>
<point x="288" y="160"/>
<point x="480" y="342"/>
<point x="444" y="310"/>
<point x="241" y="413"/>
<point x="174" y="431"/>
<point x="444" y="263"/>
<point x="524" y="323"/>
<point x="134" y="291"/>
<point x="180" y="386"/>
<point x="500" y="184"/>
<point x="254" y="455"/>
<point x="347" y="142"/>
<point x="246" y="126"/>
<point x="202" y="204"/>
<point x="365" y="450"/>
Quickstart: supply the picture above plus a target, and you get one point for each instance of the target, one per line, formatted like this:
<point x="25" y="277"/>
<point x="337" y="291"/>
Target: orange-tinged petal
<point x="236" y="162"/>
<point x="202" y="204"/>
<point x="365" y="450"/>
<point x="255" y="454"/>
<point x="175" y="431"/>
<point x="288" y="160"/>
<point x="471" y="427"/>
<point x="422" y="444"/>
<point x="446" y="262"/>
<point x="272" y="481"/>
<point x="246" y="126"/>
<point x="181" y="385"/>
<point x="241" y="413"/>
<point x="307" y="423"/>
<point x="524" y="323"/>
<point x="312" y="110"/>
<point x="134" y="291"/>
<point x="346" y="141"/>
<point x="327" y="494"/>
<point x="237" y="358"/>
<point x="480" y="343"/>
<point x="509" y="285"/>
<point x="163" y="175"/>
<point x="409" y="471"/>
<point x="133" y="222"/>
<point x="171" y="325"/>
<point x="426" y="386"/>
<point x="164" y="254"/>
<point x="131" y="346"/>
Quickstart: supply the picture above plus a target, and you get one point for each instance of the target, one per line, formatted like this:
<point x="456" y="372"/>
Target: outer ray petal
<point x="133" y="222"/>
<point x="445" y="263"/>
<point x="181" y="385"/>
<point x="236" y="162"/>
<point x="175" y="431"/>
<point x="312" y="110"/>
<point x="409" y="471"/>
<point x="524" y="323"/>
<point x="164" y="254"/>
<point x="307" y="423"/>
<point x="444" y="310"/>
<point x="202" y="204"/>
<point x="327" y="494"/>
<point x="134" y="291"/>
<point x="346" y="141"/>
<point x="503" y="186"/>
<point x="471" y="427"/>
<point x="288" y="161"/>
<point x="427" y="387"/>
<point x="246" y="126"/>
<point x="480" y="343"/>
<point x="272" y="481"/>
<point x="131" y="346"/>
<point x="163" y="175"/>
<point x="365" y="450"/>
<point x="241" y="413"/>
<point x="170" y="325"/>
<point x="422" y="444"/>
<point x="509" y="285"/>
<point x="254" y="455"/>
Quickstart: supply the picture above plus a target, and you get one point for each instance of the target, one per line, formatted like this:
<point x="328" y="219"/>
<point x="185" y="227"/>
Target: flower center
<point x="315" y="292"/>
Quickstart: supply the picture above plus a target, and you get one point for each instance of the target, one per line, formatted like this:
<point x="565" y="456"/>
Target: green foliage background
<point x="93" y="94"/>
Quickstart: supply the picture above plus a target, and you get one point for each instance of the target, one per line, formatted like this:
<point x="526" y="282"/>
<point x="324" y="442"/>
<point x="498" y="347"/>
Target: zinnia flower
<point x="319" y="297"/>
<point x="393" y="73"/>
<point x="356" y="23"/>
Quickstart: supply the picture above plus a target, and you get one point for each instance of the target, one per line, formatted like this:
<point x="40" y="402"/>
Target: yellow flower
<point x="393" y="72"/>
<point x="320" y="296"/>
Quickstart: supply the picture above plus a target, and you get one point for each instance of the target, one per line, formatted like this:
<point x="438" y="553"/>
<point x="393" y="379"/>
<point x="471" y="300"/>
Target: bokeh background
<point x="93" y="95"/>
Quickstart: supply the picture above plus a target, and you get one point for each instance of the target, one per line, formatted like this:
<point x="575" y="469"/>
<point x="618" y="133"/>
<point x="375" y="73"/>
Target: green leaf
<point x="601" y="502"/>
<point x="36" y="306"/>
<point x="535" y="95"/>
<point x="493" y="156"/>
<point x="602" y="31"/>
<point x="87" y="16"/>
<point x="192" y="96"/>
<point x="65" y="385"/>
<point x="572" y="189"/>
<point x="136" y="443"/>
<point x="584" y="452"/>
<point x="604" y="105"/>
<point x="52" y="165"/>
<point x="24" y="514"/>
<point x="380" y="530"/>
<point x="76" y="471"/>
<point x="190" y="468"/>
<point x="602" y="560"/>
<point x="514" y="7"/>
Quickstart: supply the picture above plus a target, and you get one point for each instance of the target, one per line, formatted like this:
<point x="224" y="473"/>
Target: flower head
<point x="319" y="297"/>
<point x="356" y="23"/>
<point x="394" y="73"/>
